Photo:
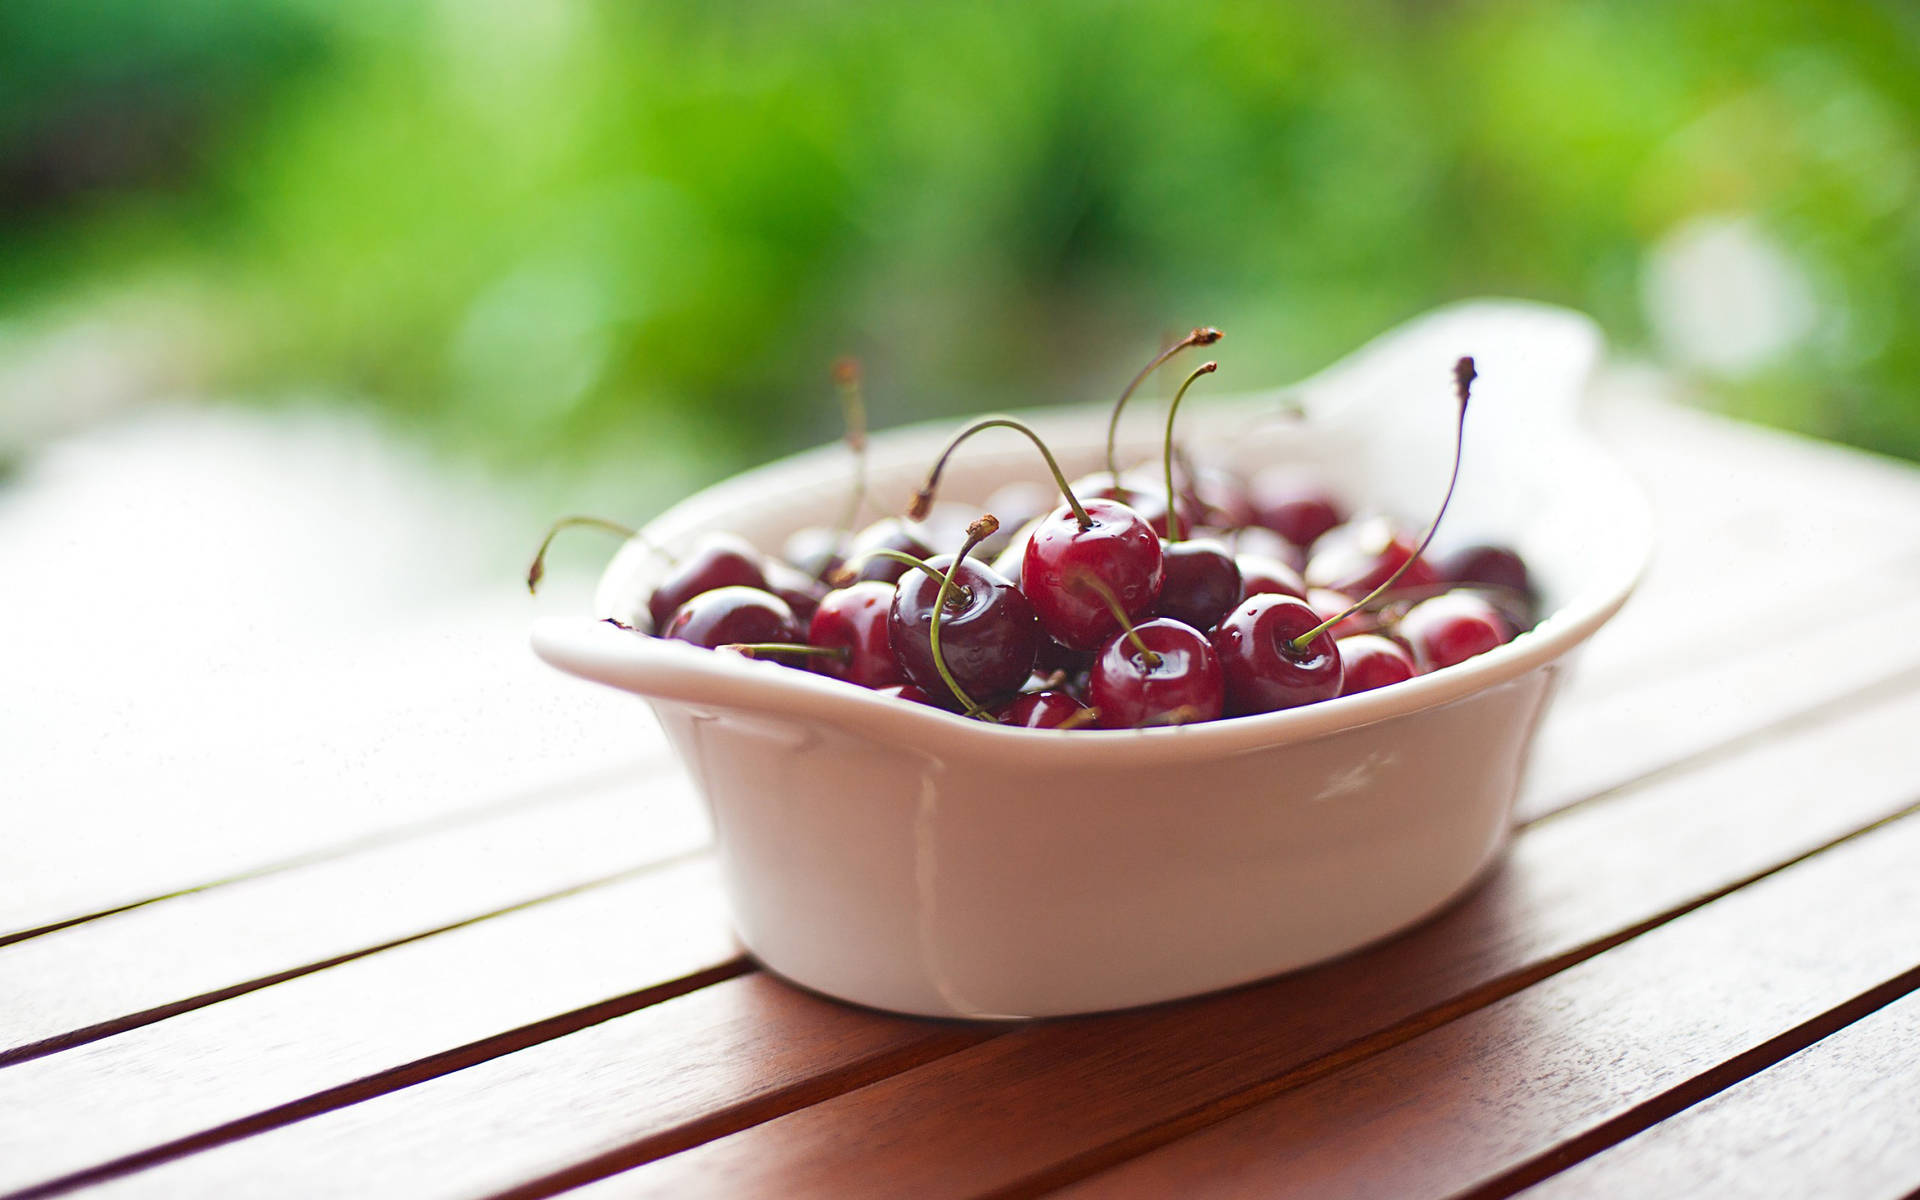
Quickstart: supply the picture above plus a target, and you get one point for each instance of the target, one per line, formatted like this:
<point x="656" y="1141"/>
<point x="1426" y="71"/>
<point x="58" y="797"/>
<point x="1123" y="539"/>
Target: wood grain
<point x="1840" y="1118"/>
<point x="121" y="971"/>
<point x="1051" y="1095"/>
<point x="370" y="1025"/>
<point x="1592" y="1053"/>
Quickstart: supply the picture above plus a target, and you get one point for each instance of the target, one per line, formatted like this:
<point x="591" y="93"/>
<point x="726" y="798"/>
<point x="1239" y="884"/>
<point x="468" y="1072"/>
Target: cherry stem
<point x="851" y="570"/>
<point x="538" y="569"/>
<point x="1463" y="377"/>
<point x="1074" y="720"/>
<point x="1174" y="533"/>
<point x="977" y="532"/>
<point x="1098" y="586"/>
<point x="756" y="649"/>
<point x="853" y="409"/>
<point x="923" y="499"/>
<point x="1204" y="336"/>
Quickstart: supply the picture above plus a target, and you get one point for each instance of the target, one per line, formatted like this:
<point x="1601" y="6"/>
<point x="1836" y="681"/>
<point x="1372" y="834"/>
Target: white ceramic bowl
<point x="901" y="857"/>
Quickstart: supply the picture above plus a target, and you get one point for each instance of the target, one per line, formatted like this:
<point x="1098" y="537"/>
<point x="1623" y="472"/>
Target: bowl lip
<point x="670" y="673"/>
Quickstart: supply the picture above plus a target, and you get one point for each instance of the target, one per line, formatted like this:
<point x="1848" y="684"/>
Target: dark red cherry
<point x="733" y="614"/>
<point x="1175" y="680"/>
<point x="1118" y="548"/>
<point x="909" y="693"/>
<point x="1359" y="557"/>
<point x="1294" y="504"/>
<point x="1260" y="574"/>
<point x="854" y="618"/>
<point x="1039" y="710"/>
<point x="1452" y="628"/>
<point x="889" y="533"/>
<point x="1263" y="669"/>
<point x="801" y="591"/>
<point x="988" y="634"/>
<point x="1200" y="582"/>
<point x="1368" y="661"/>
<point x="1495" y="565"/>
<point x="717" y="560"/>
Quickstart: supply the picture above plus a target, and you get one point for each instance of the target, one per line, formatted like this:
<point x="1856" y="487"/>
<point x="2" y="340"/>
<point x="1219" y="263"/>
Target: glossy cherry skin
<point x="1262" y="669"/>
<point x="1368" y="661"/>
<point x="716" y="561"/>
<point x="1496" y="565"/>
<point x="854" y="619"/>
<point x="1038" y="710"/>
<point x="1259" y="573"/>
<point x="1119" y="549"/>
<point x="909" y="693"/>
<point x="988" y="637"/>
<point x="1359" y="557"/>
<point x="1294" y="504"/>
<point x="726" y="615"/>
<point x="1183" y="687"/>
<point x="1201" y="581"/>
<point x="1452" y="628"/>
<point x="801" y="591"/>
<point x="890" y="533"/>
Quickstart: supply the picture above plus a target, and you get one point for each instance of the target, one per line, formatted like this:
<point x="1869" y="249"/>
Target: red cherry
<point x="854" y="618"/>
<point x="1260" y="574"/>
<point x="1142" y="493"/>
<point x="1294" y="504"/>
<point x="1162" y="672"/>
<point x="1368" y="661"/>
<point x="1358" y="558"/>
<point x="1452" y="628"/>
<point x="889" y="533"/>
<point x="718" y="560"/>
<point x="907" y="692"/>
<point x="1495" y="565"/>
<point x="1116" y="547"/>
<point x="734" y="614"/>
<point x="1040" y="710"/>
<point x="1200" y="583"/>
<point x="988" y="633"/>
<point x="1263" y="669"/>
<point x="801" y="591"/>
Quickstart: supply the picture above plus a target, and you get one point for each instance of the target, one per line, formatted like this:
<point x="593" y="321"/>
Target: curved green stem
<point x="1174" y="533"/>
<point x="923" y="499"/>
<point x="1098" y="586"/>
<point x="1204" y="336"/>
<point x="1463" y="377"/>
<point x="756" y="649"/>
<point x="849" y="570"/>
<point x="977" y="532"/>
<point x="538" y="569"/>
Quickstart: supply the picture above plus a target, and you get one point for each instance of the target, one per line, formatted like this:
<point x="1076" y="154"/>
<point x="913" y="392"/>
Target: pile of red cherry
<point x="1116" y="609"/>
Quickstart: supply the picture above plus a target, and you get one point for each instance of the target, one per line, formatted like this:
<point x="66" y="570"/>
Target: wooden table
<point x="460" y="937"/>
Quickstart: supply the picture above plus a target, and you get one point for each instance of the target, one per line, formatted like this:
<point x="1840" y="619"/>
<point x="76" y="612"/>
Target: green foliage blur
<point x="543" y="229"/>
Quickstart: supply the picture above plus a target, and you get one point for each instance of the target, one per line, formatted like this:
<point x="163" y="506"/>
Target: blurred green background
<point x="629" y="237"/>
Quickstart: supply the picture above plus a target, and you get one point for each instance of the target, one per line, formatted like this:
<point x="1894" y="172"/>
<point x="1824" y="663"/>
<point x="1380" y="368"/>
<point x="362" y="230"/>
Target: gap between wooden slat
<point x="1701" y="1087"/>
<point x="392" y="1079"/>
<point x="1114" y="1153"/>
<point x="548" y="794"/>
<point x="104" y="1029"/>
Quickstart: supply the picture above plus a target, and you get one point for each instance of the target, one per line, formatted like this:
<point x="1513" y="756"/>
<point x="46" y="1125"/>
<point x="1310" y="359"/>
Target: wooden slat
<point x="220" y="771"/>
<point x="151" y="962"/>
<point x="1840" y="1118"/>
<point x="676" y="1074"/>
<point x="1045" y="1095"/>
<point x="370" y="1025"/>
<point x="1672" y="716"/>
<point x="1588" y="1056"/>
